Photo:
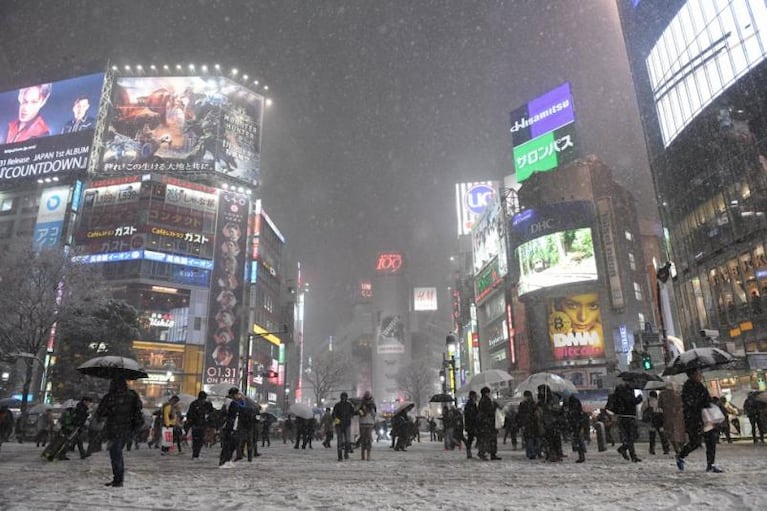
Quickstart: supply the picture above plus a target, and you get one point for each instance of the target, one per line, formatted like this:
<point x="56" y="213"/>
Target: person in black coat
<point x="624" y="406"/>
<point x="343" y="411"/>
<point x="528" y="421"/>
<point x="488" y="435"/>
<point x="82" y="410"/>
<point x="549" y="412"/>
<point x="196" y="419"/>
<point x="695" y="398"/>
<point x="577" y="420"/>
<point x="471" y="421"/>
<point x="121" y="408"/>
<point x="232" y="408"/>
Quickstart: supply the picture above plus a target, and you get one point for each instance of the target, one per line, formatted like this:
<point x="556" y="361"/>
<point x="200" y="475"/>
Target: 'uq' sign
<point x="478" y="197"/>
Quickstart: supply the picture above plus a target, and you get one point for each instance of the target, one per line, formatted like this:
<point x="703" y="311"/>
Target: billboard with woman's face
<point x="575" y="327"/>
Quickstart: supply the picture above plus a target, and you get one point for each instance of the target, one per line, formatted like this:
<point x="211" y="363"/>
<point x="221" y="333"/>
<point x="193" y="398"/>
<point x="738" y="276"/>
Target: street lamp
<point x="451" y="343"/>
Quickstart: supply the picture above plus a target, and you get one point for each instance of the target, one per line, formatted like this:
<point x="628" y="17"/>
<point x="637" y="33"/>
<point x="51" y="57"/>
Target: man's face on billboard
<point x="583" y="311"/>
<point x="31" y="100"/>
<point x="80" y="108"/>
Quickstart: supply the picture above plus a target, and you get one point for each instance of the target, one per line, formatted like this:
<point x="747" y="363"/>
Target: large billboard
<point x="554" y="245"/>
<point x="575" y="327"/>
<point x="225" y="310"/>
<point x="543" y="133"/>
<point x="129" y="214"/>
<point x="184" y="124"/>
<point x="46" y="129"/>
<point x="488" y="240"/>
<point x="471" y="200"/>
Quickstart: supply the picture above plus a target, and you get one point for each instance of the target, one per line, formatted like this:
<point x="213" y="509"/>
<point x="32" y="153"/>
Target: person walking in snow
<point x="695" y="398"/>
<point x="578" y="422"/>
<point x="367" y="417"/>
<point x="343" y="411"/>
<point x="471" y="421"/>
<point x="121" y="408"/>
<point x="656" y="423"/>
<point x="232" y="406"/>
<point x="528" y="421"/>
<point x="488" y="435"/>
<point x="625" y="408"/>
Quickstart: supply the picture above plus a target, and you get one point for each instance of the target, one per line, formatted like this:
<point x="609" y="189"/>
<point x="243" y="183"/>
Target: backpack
<point x="248" y="417"/>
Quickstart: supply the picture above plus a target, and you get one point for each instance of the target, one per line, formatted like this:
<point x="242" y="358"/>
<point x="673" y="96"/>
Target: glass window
<point x="629" y="236"/>
<point x="6" y="204"/>
<point x="632" y="262"/>
<point x="637" y="291"/>
<point x="642" y="320"/>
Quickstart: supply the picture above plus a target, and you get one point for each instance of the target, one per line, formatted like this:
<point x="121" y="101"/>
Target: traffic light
<point x="646" y="361"/>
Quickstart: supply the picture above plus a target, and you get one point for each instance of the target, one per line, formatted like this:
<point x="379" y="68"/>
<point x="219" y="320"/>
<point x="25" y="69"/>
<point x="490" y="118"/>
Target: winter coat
<point x="326" y="423"/>
<point x="527" y="419"/>
<point x="343" y="411"/>
<point x="670" y="401"/>
<point x="575" y="416"/>
<point x="471" y="417"/>
<point x="695" y="398"/>
<point x="168" y="415"/>
<point x="197" y="415"/>
<point x="624" y="401"/>
<point x="367" y="412"/>
<point x="121" y="408"/>
<point x="486" y="409"/>
<point x="81" y="414"/>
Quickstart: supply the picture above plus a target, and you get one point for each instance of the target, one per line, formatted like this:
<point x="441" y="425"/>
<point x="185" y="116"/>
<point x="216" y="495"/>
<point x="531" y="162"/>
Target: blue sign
<point x="148" y="255"/>
<point x="478" y="197"/>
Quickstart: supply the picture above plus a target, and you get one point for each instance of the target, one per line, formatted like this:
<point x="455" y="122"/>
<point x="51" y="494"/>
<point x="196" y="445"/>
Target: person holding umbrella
<point x="121" y="408"/>
<point x="695" y="398"/>
<point x="488" y="436"/>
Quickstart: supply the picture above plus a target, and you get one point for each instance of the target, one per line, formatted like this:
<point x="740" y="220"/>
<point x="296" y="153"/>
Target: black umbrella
<point x="111" y="367"/>
<point x="638" y="379"/>
<point x="441" y="398"/>
<point x="698" y="358"/>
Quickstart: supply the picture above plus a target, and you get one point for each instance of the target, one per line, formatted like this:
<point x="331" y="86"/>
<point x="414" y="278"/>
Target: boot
<point x="581" y="458"/>
<point x="468" y="453"/>
<point x="362" y="453"/>
<point x="368" y="458"/>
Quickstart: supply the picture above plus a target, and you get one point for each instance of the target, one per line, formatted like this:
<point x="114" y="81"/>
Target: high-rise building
<point x="700" y="74"/>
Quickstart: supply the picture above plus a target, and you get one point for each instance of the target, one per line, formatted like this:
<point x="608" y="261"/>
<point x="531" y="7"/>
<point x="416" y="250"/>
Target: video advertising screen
<point x="46" y="129"/>
<point x="557" y="258"/>
<point x="575" y="327"/>
<point x="184" y="124"/>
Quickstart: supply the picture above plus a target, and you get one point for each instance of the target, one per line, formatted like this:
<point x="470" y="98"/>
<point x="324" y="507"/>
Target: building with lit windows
<point x="700" y="76"/>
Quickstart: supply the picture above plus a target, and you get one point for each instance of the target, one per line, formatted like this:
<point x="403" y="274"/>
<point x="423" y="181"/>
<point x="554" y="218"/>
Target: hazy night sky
<point x="380" y="107"/>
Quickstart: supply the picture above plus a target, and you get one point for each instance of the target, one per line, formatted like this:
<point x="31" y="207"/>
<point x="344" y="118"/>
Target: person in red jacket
<point x="30" y="123"/>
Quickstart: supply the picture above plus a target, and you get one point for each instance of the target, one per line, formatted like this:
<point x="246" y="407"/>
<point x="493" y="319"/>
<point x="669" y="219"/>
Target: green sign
<point x="545" y="153"/>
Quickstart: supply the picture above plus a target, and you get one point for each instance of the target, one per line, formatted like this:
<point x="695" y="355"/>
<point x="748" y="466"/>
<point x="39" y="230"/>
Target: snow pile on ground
<point x="424" y="478"/>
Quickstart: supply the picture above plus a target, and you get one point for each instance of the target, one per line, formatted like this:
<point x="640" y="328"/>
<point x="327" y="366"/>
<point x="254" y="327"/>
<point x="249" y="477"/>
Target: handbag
<point x="166" y="439"/>
<point x="712" y="415"/>
<point x="499" y="419"/>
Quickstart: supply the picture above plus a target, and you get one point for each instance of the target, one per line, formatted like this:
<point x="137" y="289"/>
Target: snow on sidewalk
<point x="424" y="478"/>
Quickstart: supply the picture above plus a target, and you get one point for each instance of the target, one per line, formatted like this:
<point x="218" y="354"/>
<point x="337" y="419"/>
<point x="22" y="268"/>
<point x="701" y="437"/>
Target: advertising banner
<point x="225" y="311"/>
<point x="488" y="240"/>
<point x="471" y="200"/>
<point x="553" y="246"/>
<point x="543" y="133"/>
<point x="575" y="327"/>
<point x="607" y="224"/>
<point x="425" y="299"/>
<point x="184" y="124"/>
<point x="544" y="153"/>
<point x="46" y="129"/>
<point x="50" y="216"/>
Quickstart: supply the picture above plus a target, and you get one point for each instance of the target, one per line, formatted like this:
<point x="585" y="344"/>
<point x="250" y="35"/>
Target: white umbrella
<point x="489" y="378"/>
<point x="556" y="384"/>
<point x="111" y="367"/>
<point x="301" y="410"/>
<point x="69" y="403"/>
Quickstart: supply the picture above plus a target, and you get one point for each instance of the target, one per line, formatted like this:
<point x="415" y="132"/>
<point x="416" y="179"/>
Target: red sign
<point x="389" y="262"/>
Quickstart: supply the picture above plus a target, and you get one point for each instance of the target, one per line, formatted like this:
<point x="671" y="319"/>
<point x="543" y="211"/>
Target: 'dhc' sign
<point x="389" y="263"/>
<point x="478" y="197"/>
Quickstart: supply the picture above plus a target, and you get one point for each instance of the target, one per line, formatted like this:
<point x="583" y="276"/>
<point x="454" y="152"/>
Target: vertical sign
<point x="606" y="224"/>
<point x="225" y="310"/>
<point x="50" y="217"/>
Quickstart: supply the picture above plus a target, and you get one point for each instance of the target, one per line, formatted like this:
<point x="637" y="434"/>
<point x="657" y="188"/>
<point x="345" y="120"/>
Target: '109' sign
<point x="389" y="262"/>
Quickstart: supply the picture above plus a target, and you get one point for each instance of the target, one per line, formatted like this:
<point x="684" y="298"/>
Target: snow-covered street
<point x="425" y="477"/>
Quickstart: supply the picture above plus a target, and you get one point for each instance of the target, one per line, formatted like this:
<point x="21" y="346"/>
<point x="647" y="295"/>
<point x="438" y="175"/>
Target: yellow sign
<point x="746" y="326"/>
<point x="734" y="332"/>
<point x="262" y="332"/>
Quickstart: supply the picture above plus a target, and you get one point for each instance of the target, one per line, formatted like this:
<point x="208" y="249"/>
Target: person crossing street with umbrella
<point x="695" y="398"/>
<point x="121" y="408"/>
